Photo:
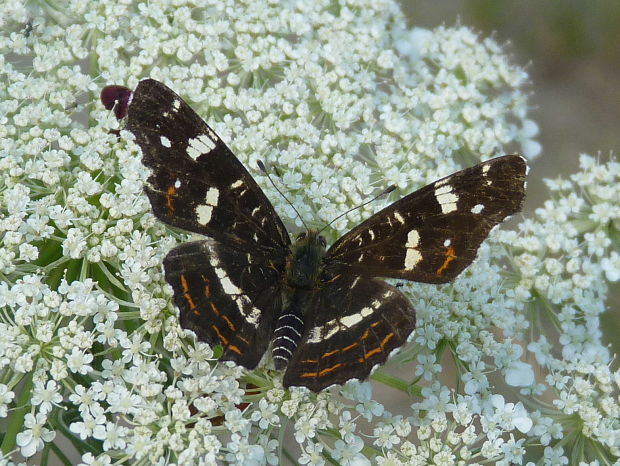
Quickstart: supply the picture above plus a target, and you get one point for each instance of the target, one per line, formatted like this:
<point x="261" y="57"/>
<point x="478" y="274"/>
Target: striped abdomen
<point x="289" y="329"/>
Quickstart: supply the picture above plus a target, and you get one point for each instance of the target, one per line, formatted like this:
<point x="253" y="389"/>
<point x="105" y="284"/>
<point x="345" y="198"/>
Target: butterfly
<point x="325" y="311"/>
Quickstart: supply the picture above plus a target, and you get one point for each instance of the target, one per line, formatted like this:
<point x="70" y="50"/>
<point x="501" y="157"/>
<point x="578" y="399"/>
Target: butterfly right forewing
<point x="432" y="234"/>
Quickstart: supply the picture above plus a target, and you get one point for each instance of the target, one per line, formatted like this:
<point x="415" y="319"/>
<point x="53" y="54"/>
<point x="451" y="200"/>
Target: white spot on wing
<point x="177" y="184"/>
<point x="399" y="217"/>
<point x="229" y="287"/>
<point x="353" y="319"/>
<point x="236" y="184"/>
<point x="412" y="257"/>
<point x="315" y="335"/>
<point x="485" y="172"/>
<point x="176" y="104"/>
<point x="477" y="209"/>
<point x="413" y="238"/>
<point x="446" y="198"/>
<point x="165" y="141"/>
<point x="330" y="328"/>
<point x="250" y="313"/>
<point x="212" y="196"/>
<point x="212" y="135"/>
<point x="202" y="144"/>
<point x="447" y="243"/>
<point x="204" y="213"/>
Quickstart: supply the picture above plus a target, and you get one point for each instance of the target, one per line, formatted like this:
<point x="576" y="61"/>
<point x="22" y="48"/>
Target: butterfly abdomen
<point x="289" y="328"/>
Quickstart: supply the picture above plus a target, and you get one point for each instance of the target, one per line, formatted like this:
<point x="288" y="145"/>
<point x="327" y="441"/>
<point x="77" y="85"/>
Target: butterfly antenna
<point x="386" y="191"/>
<point x="261" y="165"/>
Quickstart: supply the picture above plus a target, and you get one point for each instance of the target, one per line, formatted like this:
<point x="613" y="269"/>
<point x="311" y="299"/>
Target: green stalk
<point x="391" y="381"/>
<point x="17" y="418"/>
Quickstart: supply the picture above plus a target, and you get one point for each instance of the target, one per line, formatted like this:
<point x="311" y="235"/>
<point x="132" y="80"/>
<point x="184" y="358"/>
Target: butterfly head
<point x="304" y="264"/>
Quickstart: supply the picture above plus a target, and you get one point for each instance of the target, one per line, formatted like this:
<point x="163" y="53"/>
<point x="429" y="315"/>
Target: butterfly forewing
<point x="432" y="234"/>
<point x="197" y="183"/>
<point x="352" y="325"/>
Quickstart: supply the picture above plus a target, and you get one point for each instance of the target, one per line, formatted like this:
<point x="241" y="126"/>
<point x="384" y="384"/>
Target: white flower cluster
<point x="343" y="99"/>
<point x="561" y="260"/>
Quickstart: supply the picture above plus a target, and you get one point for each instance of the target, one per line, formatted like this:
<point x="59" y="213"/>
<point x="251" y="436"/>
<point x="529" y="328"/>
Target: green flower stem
<point x="79" y="444"/>
<point x="391" y="381"/>
<point x="59" y="454"/>
<point x="17" y="419"/>
<point x="113" y="280"/>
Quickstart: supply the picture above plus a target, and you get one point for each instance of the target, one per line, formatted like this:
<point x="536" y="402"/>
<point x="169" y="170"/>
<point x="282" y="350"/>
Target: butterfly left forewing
<point x="432" y="234"/>
<point x="352" y="325"/>
<point x="197" y="183"/>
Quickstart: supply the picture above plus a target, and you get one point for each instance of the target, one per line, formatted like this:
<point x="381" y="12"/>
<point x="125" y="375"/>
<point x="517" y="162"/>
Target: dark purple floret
<point x="117" y="98"/>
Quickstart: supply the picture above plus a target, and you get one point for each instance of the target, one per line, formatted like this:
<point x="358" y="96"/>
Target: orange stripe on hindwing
<point x="323" y="372"/>
<point x="230" y="324"/>
<point x="330" y="353"/>
<point x="351" y="346"/>
<point x="186" y="294"/>
<point x="378" y="349"/>
<point x="222" y="338"/>
<point x="207" y="289"/>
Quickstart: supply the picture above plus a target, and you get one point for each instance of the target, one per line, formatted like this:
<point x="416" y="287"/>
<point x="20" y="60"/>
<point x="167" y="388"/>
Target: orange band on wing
<point x="450" y="256"/>
<point x="186" y="294"/>
<point x="378" y="349"/>
<point x="220" y="336"/>
<point x="323" y="372"/>
<point x="171" y="192"/>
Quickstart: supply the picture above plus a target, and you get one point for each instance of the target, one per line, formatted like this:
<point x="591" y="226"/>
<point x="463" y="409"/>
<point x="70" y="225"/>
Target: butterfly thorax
<point x="303" y="265"/>
<point x="303" y="271"/>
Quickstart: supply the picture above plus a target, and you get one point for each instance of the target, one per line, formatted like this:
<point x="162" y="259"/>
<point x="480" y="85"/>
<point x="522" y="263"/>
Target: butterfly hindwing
<point x="197" y="183"/>
<point x="352" y="325"/>
<point x="432" y="234"/>
<point x="226" y="296"/>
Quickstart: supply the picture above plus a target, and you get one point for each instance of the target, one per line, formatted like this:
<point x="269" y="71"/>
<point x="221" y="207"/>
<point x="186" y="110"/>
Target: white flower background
<point x="507" y="365"/>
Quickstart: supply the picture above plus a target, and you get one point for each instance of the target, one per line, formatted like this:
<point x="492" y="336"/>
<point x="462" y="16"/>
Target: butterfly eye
<point x="301" y="235"/>
<point x="322" y="241"/>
